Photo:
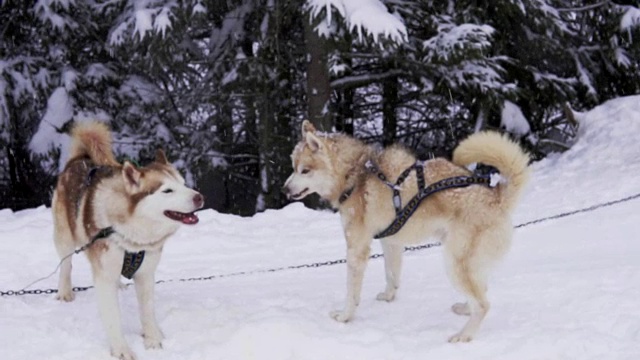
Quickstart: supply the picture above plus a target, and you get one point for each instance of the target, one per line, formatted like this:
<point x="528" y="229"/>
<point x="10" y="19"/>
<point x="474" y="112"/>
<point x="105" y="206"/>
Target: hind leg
<point x="469" y="256"/>
<point x="392" y="267"/>
<point x="473" y="285"/>
<point x="64" y="247"/>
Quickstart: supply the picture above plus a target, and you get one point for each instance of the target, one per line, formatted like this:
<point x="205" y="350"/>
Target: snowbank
<point x="567" y="290"/>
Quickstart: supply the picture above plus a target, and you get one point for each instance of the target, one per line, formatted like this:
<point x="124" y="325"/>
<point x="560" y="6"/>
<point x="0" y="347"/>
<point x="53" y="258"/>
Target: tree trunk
<point x="345" y="114"/>
<point x="318" y="82"/>
<point x="480" y="109"/>
<point x="266" y="129"/>
<point x="389" y="105"/>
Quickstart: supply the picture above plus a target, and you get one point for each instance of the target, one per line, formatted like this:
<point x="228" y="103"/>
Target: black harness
<point x="131" y="264"/>
<point x="132" y="260"/>
<point x="482" y="175"/>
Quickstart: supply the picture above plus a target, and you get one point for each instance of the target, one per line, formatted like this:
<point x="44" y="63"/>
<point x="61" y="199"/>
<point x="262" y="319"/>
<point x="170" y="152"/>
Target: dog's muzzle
<point x="297" y="196"/>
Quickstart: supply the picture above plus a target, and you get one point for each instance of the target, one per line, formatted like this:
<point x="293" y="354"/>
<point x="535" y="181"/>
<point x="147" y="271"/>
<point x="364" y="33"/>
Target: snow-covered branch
<point x="365" y="17"/>
<point x="360" y="80"/>
<point x="453" y="39"/>
<point x="144" y="16"/>
<point x="631" y="18"/>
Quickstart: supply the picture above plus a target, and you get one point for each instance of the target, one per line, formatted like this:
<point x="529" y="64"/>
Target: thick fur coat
<point x="473" y="223"/>
<point x="144" y="207"/>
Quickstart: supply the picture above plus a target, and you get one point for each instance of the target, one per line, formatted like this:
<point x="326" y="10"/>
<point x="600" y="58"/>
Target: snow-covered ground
<point x="569" y="289"/>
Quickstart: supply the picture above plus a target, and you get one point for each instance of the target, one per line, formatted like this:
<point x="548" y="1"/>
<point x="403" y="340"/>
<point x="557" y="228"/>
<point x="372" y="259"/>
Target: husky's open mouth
<point x="185" y="218"/>
<point x="300" y="194"/>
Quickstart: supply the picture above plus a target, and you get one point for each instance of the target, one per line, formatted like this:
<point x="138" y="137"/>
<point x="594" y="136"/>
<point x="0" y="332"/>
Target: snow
<point x="143" y="21"/>
<point x="568" y="289"/>
<point x="450" y="37"/>
<point x="513" y="120"/>
<point x="143" y="16"/>
<point x="20" y="78"/>
<point x="46" y="14"/>
<point x="585" y="79"/>
<point x="630" y="19"/>
<point x="59" y="111"/>
<point x="162" y="21"/>
<point x="369" y="17"/>
<point x="69" y="78"/>
<point x="483" y="76"/>
<point x="199" y="9"/>
<point x="622" y="57"/>
<point x="4" y="110"/>
<point x="97" y="72"/>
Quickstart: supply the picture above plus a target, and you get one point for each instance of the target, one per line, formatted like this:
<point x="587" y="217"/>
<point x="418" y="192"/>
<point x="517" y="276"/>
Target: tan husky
<point x="473" y="222"/>
<point x="118" y="208"/>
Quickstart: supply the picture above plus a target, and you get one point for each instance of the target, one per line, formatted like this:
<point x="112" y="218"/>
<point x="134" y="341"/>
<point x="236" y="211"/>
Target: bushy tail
<point x="497" y="150"/>
<point x="92" y="139"/>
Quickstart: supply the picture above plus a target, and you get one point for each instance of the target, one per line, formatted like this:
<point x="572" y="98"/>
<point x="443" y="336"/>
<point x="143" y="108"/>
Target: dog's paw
<point x="460" y="337"/>
<point x="387" y="296"/>
<point x="461" y="309"/>
<point x="153" y="340"/>
<point x="66" y="296"/>
<point x="123" y="353"/>
<point x="340" y="316"/>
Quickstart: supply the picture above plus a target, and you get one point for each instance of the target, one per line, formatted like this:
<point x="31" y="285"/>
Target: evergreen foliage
<point x="222" y="86"/>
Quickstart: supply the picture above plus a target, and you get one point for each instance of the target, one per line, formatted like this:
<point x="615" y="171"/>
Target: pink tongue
<point x="184" y="218"/>
<point x="190" y="219"/>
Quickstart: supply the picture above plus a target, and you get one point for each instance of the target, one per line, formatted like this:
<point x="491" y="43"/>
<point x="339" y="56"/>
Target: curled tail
<point x="92" y="139"/>
<point x="497" y="150"/>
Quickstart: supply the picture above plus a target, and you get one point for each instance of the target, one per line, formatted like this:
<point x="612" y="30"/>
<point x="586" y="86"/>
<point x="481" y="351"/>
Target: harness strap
<point x="103" y="233"/>
<point x="418" y="166"/>
<point x="132" y="260"/>
<point x="131" y="264"/>
<point x="453" y="182"/>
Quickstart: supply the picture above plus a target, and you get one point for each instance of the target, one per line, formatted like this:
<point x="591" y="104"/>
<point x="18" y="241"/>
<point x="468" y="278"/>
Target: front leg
<point x="106" y="282"/>
<point x="145" y="287"/>
<point x="392" y="267"/>
<point x="358" y="248"/>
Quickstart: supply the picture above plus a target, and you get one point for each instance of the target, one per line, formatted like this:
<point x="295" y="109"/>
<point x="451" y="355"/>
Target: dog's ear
<point x="307" y="127"/>
<point x="314" y="142"/>
<point x="161" y="157"/>
<point x="131" y="177"/>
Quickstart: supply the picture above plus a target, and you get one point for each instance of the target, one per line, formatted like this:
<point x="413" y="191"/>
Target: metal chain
<point x="583" y="210"/>
<point x="324" y="263"/>
<point x="40" y="291"/>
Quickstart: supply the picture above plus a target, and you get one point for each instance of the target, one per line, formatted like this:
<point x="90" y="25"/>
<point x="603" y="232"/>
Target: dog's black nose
<point x="285" y="190"/>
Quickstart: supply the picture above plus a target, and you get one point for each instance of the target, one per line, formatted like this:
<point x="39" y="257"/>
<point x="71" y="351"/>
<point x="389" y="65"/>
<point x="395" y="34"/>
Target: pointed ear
<point x="307" y="127"/>
<point x="314" y="142"/>
<point x="131" y="177"/>
<point x="161" y="157"/>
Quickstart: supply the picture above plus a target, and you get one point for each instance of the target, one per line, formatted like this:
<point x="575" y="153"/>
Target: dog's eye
<point x="304" y="171"/>
<point x="167" y="191"/>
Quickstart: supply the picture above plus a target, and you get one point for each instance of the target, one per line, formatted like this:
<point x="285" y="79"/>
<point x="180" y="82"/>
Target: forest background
<point x="223" y="85"/>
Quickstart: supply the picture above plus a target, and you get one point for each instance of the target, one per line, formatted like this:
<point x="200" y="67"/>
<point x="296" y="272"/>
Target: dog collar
<point x="103" y="233"/>
<point x="345" y="195"/>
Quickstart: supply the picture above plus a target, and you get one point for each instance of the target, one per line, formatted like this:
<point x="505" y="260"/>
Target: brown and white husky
<point x="473" y="223"/>
<point x="141" y="207"/>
